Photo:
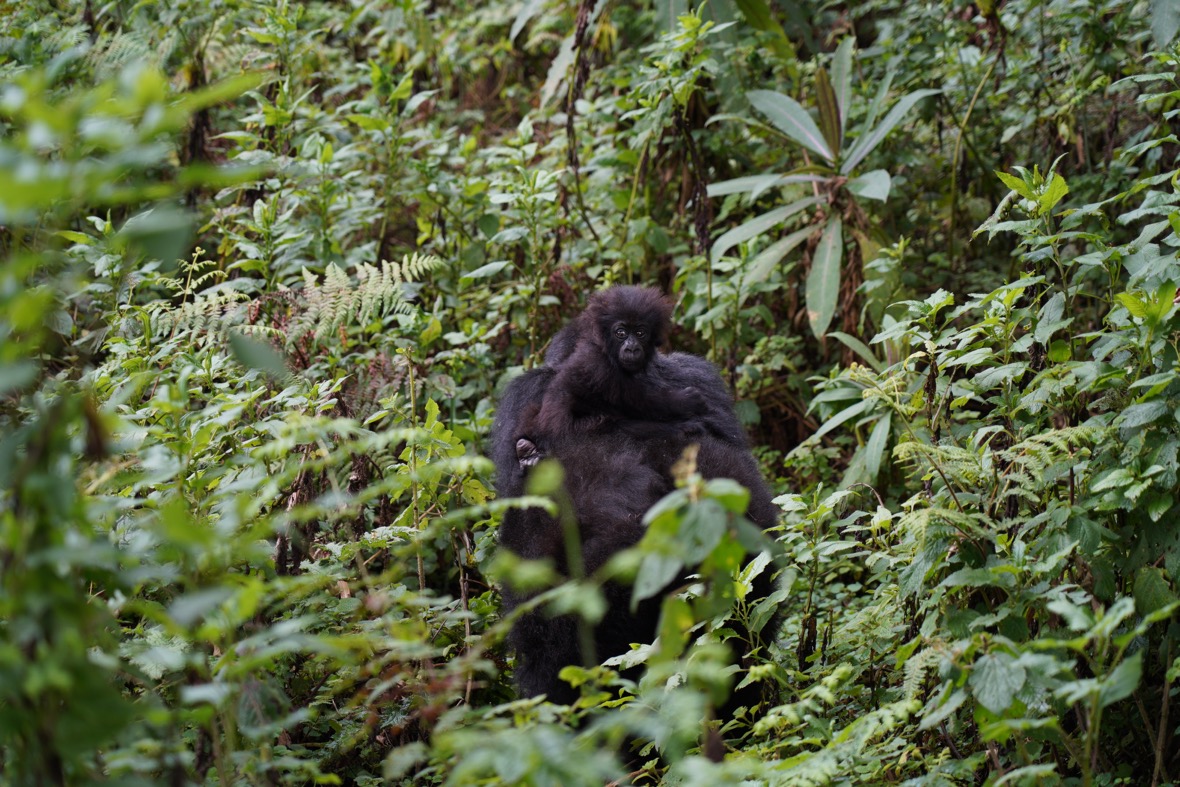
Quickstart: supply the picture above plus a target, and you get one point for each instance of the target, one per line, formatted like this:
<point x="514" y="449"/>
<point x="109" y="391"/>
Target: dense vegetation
<point x="267" y="265"/>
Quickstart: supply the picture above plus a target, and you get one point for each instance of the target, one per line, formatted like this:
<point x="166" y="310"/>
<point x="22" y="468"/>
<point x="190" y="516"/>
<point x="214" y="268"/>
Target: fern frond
<point x="210" y="313"/>
<point x="414" y="266"/>
<point x="916" y="667"/>
<point x="962" y="468"/>
<point x="338" y="300"/>
<point x="1033" y="465"/>
<point x="122" y="49"/>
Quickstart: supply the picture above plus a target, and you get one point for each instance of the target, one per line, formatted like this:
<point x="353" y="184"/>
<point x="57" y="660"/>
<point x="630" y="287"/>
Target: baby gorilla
<point x="603" y="360"/>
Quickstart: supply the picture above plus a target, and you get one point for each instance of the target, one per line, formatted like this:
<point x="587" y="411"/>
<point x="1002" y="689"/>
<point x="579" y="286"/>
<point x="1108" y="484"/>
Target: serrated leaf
<point x="1122" y="680"/>
<point x="1053" y="193"/>
<point x="1141" y="414"/>
<point x="990" y="378"/>
<point x="1077" y="618"/>
<point x="995" y="679"/>
<point x="1016" y="184"/>
<point x="823" y="280"/>
<point x="1049" y="319"/>
<point x="1152" y="591"/>
<point x="1133" y="304"/>
<point x="788" y="116"/>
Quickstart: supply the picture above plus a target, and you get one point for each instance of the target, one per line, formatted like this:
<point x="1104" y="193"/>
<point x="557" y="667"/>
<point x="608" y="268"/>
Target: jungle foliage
<point x="266" y="266"/>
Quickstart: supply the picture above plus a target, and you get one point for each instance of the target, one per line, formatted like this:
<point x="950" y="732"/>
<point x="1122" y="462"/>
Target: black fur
<point x="605" y="356"/>
<point x="676" y="372"/>
<point x="615" y="470"/>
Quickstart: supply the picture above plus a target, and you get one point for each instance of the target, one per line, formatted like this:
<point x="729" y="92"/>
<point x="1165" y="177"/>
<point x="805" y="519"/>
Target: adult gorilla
<point x="615" y="470"/>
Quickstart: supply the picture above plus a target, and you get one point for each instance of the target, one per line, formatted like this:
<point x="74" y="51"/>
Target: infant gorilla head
<point x="607" y="368"/>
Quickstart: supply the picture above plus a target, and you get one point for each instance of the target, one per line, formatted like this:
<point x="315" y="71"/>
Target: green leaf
<point x="756" y="185"/>
<point x="1165" y="22"/>
<point x="675" y="622"/>
<point x="559" y="68"/>
<point x="935" y="712"/>
<point x="874" y="449"/>
<point x="76" y="237"/>
<point x="867" y="142"/>
<point x="878" y="101"/>
<point x="1050" y="318"/>
<point x="823" y="280"/>
<point x="842" y="80"/>
<point x="528" y="10"/>
<point x="732" y="496"/>
<point x="1077" y="618"/>
<point x="858" y="347"/>
<point x="254" y="354"/>
<point x="829" y="111"/>
<point x="1053" y="193"/>
<point x="187" y="610"/>
<point x="17" y="375"/>
<point x="1136" y="306"/>
<point x="871" y="185"/>
<point x="487" y="271"/>
<point x="222" y="91"/>
<point x="1152" y="591"/>
<point x="772" y="255"/>
<point x="655" y="572"/>
<point x="1122" y="681"/>
<point x="788" y="116"/>
<point x="995" y="679"/>
<point x="1142" y="414"/>
<point x="1016" y="184"/>
<point x="161" y="232"/>
<point x="848" y="412"/>
<point x="757" y="14"/>
<point x="758" y="225"/>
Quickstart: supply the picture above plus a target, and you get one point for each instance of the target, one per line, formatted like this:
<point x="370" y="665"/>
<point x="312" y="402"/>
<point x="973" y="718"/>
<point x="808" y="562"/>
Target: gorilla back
<point x="613" y="474"/>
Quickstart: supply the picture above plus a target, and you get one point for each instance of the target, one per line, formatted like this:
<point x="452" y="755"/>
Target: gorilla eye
<point x="620" y="333"/>
<point x="640" y="333"/>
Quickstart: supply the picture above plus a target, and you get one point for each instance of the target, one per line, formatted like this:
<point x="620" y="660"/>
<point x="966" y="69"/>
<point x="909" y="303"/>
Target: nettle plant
<point x="837" y="226"/>
<point x="1035" y="427"/>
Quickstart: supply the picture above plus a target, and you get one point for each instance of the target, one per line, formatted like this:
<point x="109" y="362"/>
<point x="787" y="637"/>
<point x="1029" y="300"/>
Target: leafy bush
<point x="266" y="267"/>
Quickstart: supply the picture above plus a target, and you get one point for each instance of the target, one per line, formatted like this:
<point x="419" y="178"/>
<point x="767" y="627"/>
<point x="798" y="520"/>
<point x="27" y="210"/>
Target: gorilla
<point x="617" y="444"/>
